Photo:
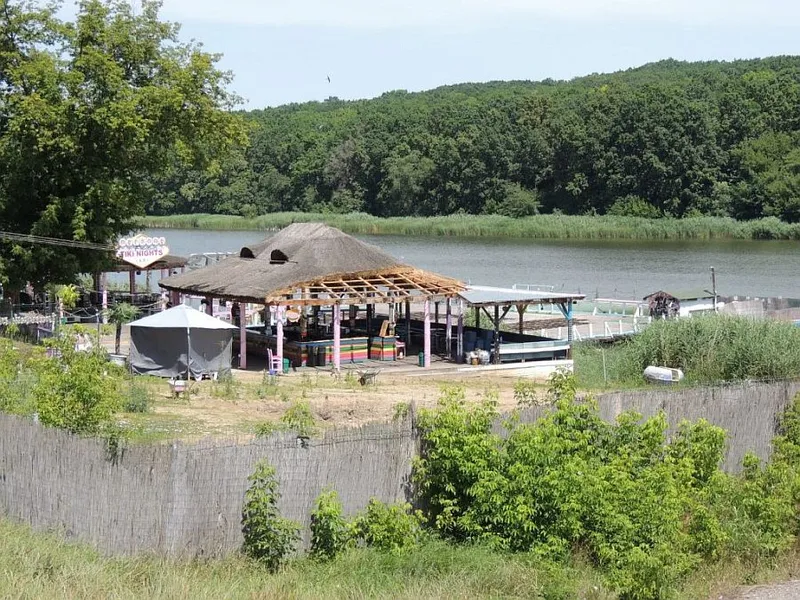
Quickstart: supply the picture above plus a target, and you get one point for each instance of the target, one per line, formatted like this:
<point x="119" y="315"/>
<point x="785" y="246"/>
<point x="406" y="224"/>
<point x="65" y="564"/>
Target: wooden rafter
<point x="371" y="288"/>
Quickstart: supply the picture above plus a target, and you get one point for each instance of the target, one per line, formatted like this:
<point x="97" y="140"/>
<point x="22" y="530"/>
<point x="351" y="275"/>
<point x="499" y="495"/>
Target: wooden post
<point x="448" y="325"/>
<point x="408" y="327"/>
<point x="427" y="333"/>
<point x="460" y="341"/>
<point x="337" y="337"/>
<point x="210" y="305"/>
<point x="436" y="312"/>
<point x="242" y="339"/>
<point x="496" y="335"/>
<point x="521" y="310"/>
<point x="132" y="282"/>
<point x="477" y="317"/>
<point x="370" y="309"/>
<point x="279" y="332"/>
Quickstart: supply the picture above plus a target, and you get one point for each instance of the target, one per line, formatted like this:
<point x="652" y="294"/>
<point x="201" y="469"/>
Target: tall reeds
<point x="535" y="227"/>
<point x="716" y="348"/>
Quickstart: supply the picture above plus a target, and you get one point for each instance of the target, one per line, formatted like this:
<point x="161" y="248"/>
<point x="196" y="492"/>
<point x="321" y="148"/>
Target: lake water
<point x="617" y="269"/>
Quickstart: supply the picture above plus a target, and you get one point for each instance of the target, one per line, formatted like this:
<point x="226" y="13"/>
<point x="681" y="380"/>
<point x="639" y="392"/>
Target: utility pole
<point x="714" y="287"/>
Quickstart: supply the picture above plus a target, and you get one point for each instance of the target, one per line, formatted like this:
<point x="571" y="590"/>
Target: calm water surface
<point x="617" y="269"/>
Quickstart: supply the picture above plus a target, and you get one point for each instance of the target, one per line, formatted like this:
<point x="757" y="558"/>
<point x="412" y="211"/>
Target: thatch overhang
<point x="312" y="264"/>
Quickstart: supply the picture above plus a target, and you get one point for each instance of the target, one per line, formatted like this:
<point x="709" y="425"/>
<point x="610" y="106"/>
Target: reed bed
<point x="708" y="349"/>
<point x="536" y="227"/>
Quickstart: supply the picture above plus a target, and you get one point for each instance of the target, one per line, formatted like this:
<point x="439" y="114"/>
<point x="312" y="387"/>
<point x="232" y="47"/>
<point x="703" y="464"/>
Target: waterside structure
<point x="306" y="273"/>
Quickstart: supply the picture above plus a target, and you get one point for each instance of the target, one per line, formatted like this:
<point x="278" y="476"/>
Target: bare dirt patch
<point x="236" y="407"/>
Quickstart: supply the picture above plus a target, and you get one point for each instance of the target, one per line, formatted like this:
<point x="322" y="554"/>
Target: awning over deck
<point x="486" y="296"/>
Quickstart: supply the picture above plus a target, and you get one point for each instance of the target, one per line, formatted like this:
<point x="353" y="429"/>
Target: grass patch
<point x="560" y="227"/>
<point x="142" y="428"/>
<point x="45" y="566"/>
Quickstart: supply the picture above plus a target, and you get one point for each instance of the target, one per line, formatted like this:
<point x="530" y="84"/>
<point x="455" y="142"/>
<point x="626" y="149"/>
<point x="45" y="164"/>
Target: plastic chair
<point x="273" y="362"/>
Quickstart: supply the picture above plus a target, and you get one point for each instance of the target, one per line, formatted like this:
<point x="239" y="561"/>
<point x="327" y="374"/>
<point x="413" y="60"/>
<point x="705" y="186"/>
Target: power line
<point x="39" y="239"/>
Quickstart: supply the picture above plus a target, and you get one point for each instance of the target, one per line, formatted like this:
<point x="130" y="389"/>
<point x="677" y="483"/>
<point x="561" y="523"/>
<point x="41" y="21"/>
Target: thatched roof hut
<point x="312" y="264"/>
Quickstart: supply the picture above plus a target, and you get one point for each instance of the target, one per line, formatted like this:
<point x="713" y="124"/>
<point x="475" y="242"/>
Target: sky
<point x="284" y="51"/>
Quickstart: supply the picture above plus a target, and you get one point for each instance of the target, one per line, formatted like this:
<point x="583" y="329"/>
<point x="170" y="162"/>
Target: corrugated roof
<point x="478" y="295"/>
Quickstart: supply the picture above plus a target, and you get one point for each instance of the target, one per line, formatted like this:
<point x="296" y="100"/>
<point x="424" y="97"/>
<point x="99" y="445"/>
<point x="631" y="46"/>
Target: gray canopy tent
<point x="181" y="341"/>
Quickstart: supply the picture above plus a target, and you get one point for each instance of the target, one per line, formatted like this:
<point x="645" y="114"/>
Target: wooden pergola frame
<point x="371" y="288"/>
<point x="386" y="287"/>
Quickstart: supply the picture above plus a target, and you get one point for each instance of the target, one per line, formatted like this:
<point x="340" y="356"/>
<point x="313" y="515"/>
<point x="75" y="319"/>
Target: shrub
<point x="401" y="411"/>
<point x="76" y="391"/>
<point x="299" y="418"/>
<point x="137" y="398"/>
<point x="330" y="533"/>
<point x="390" y="528"/>
<point x="268" y="538"/>
<point x="525" y="393"/>
<point x="644" y="509"/>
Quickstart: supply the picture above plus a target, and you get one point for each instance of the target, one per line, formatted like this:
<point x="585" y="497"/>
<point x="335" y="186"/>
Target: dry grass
<point x="235" y="408"/>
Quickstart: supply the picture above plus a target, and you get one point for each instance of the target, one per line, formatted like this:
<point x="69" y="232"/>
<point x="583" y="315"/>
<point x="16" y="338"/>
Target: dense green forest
<point x="666" y="139"/>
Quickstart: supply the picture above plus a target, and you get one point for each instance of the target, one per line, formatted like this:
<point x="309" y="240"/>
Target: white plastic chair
<point x="273" y="362"/>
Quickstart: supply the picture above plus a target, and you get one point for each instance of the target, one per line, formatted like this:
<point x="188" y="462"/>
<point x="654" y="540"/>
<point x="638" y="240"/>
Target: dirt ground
<point x="233" y="408"/>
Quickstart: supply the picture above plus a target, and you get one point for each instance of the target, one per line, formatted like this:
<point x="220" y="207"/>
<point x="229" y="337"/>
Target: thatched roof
<point x="326" y="262"/>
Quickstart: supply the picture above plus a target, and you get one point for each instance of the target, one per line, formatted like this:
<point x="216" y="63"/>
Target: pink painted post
<point x="279" y="330"/>
<point x="105" y="301"/>
<point x="427" y="331"/>
<point x="242" y="340"/>
<point x="448" y="335"/>
<point x="175" y="298"/>
<point x="337" y="337"/>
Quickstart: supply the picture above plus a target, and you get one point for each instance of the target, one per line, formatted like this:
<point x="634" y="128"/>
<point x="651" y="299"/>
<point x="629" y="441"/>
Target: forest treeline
<point x="670" y="139"/>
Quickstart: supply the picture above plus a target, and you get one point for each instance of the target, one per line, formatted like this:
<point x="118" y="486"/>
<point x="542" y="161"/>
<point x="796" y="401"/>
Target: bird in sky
<point x="329" y="78"/>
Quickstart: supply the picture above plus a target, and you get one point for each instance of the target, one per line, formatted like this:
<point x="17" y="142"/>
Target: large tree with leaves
<point x="90" y="112"/>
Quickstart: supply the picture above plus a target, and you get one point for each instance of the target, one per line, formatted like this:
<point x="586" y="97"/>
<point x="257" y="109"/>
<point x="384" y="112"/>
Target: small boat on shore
<point x="663" y="375"/>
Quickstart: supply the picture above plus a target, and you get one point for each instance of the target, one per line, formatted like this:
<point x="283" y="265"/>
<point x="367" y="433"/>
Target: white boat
<point x="662" y="375"/>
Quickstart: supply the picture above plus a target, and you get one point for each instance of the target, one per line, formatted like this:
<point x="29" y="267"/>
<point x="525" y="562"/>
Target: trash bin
<point x="286" y="365"/>
<point x="321" y="356"/>
<point x="421" y="358"/>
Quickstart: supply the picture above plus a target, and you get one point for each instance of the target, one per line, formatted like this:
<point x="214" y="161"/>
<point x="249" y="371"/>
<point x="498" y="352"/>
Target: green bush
<point x="76" y="391"/>
<point x="646" y="510"/>
<point x="389" y="528"/>
<point x="268" y="538"/>
<point x="137" y="398"/>
<point x="330" y="532"/>
<point x="526" y="393"/>
<point x="299" y="418"/>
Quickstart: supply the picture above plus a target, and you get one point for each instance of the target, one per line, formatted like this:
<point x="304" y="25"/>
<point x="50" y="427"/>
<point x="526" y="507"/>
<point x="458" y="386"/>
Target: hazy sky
<point x="283" y="50"/>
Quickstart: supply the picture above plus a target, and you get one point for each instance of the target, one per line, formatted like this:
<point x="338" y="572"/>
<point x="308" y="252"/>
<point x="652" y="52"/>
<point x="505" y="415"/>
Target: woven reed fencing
<point x="185" y="500"/>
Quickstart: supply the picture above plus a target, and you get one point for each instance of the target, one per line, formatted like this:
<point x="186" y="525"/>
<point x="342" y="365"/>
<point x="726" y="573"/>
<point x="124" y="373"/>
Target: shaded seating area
<point x="493" y="304"/>
<point x="318" y="288"/>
